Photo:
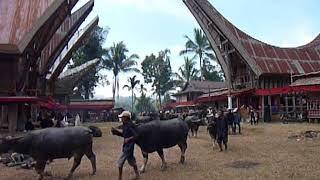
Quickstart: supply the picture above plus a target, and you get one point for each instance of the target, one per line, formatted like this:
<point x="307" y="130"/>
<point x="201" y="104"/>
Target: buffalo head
<point x="7" y="143"/>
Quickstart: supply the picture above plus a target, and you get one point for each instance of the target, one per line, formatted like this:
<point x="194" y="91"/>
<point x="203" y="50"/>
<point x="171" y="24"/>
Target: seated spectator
<point x="59" y="119"/>
<point x="29" y="126"/>
<point x="46" y="122"/>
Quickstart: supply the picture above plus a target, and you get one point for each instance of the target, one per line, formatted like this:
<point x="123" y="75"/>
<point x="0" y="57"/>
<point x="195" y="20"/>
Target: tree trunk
<point x="117" y="88"/>
<point x="114" y="88"/>
<point x="86" y="96"/>
<point x="86" y="93"/>
<point x="132" y="100"/>
<point x="201" y="70"/>
<point x="159" y="99"/>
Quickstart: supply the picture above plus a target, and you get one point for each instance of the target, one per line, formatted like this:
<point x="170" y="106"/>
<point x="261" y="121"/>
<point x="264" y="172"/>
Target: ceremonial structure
<point x="193" y="91"/>
<point x="37" y="40"/>
<point x="259" y="74"/>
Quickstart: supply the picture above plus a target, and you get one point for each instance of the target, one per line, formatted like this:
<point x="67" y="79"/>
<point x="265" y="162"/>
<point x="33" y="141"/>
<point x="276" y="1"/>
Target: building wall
<point x="182" y="98"/>
<point x="267" y="82"/>
<point x="8" y="74"/>
<point x="241" y="74"/>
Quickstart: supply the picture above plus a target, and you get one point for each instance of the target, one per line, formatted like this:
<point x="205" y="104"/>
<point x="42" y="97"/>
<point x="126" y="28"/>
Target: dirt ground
<point x="261" y="152"/>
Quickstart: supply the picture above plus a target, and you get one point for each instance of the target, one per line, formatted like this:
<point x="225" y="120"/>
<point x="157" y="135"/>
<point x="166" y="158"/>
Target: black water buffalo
<point x="158" y="135"/>
<point x="212" y="129"/>
<point x="53" y="143"/>
<point x="193" y="123"/>
<point x="142" y="119"/>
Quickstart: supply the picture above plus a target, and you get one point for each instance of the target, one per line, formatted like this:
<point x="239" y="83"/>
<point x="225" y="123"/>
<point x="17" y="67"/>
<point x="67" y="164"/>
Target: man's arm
<point x="116" y="132"/>
<point x="132" y="138"/>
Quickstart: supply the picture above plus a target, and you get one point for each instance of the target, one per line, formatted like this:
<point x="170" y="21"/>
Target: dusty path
<point x="261" y="152"/>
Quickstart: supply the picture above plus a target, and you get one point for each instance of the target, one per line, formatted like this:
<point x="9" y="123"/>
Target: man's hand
<point x="114" y="131"/>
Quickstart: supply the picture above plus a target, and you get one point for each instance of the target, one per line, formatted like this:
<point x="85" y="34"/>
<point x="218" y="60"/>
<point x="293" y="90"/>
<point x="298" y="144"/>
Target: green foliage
<point x="117" y="60"/>
<point x="199" y="47"/>
<point x="144" y="104"/>
<point x="186" y="72"/>
<point x="157" y="70"/>
<point x="132" y="84"/>
<point x="167" y="98"/>
<point x="210" y="72"/>
<point x="123" y="102"/>
<point x="142" y="89"/>
<point x="89" y="51"/>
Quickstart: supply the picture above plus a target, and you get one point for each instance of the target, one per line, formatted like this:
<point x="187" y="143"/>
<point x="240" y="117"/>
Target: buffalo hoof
<point x="163" y="167"/>
<point x="142" y="170"/>
<point x="47" y="173"/>
<point x="182" y="160"/>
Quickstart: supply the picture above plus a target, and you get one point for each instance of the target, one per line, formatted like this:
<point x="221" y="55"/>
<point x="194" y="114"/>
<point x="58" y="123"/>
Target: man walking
<point x="236" y="121"/>
<point x="222" y="130"/>
<point x="129" y="134"/>
<point x="230" y="119"/>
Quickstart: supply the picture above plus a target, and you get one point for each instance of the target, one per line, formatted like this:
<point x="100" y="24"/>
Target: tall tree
<point x="132" y="84"/>
<point x="210" y="72"/>
<point x="89" y="51"/>
<point x="142" y="89"/>
<point x="199" y="47"/>
<point x="117" y="60"/>
<point x="187" y="72"/>
<point x="157" y="70"/>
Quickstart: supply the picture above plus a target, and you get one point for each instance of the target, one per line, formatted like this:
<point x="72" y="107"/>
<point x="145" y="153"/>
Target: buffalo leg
<point x="145" y="161"/>
<point x="192" y="132"/>
<point x="92" y="157"/>
<point x="76" y="163"/>
<point x="183" y="147"/>
<point x="213" y="143"/>
<point x="39" y="167"/>
<point x="196" y="130"/>
<point x="164" y="164"/>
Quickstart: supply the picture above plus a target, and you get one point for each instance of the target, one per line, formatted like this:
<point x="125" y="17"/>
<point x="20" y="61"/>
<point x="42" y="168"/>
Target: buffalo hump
<point x="157" y="135"/>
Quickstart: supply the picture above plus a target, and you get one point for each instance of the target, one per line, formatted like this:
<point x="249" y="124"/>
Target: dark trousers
<point x="235" y="127"/>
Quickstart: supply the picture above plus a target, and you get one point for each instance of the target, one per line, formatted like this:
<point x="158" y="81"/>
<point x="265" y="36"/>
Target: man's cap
<point x="125" y="114"/>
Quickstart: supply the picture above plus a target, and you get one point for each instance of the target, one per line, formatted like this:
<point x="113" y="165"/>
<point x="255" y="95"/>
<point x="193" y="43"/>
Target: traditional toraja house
<point x="192" y="91"/>
<point x="64" y="87"/>
<point x="256" y="73"/>
<point x="66" y="82"/>
<point x="97" y="109"/>
<point x="33" y="37"/>
<point x="306" y="86"/>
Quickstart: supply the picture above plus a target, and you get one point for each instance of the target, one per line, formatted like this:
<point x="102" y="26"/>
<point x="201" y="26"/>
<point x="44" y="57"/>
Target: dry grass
<point x="266" y="146"/>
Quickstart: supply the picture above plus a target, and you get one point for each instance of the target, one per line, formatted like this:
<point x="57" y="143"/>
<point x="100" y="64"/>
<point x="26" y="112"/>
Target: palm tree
<point x="142" y="89"/>
<point x="200" y="47"/>
<point x="132" y="84"/>
<point x="117" y="60"/>
<point x="187" y="72"/>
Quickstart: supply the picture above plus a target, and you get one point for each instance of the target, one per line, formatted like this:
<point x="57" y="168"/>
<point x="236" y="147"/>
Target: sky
<point x="149" y="26"/>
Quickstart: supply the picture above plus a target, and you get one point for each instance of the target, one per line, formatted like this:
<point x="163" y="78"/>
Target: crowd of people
<point x="46" y="119"/>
